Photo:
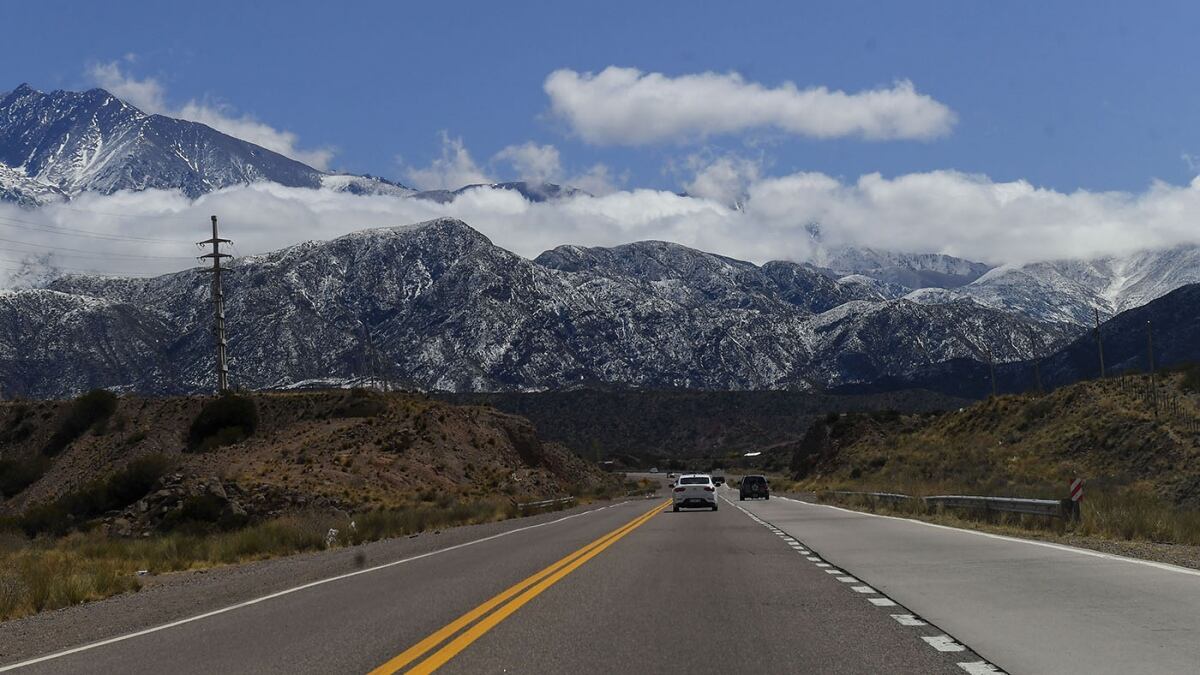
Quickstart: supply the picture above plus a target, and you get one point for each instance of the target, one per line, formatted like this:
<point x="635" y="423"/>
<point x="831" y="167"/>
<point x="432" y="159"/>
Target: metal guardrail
<point x="1037" y="507"/>
<point x="1051" y="508"/>
<point x="879" y="496"/>
<point x="546" y="503"/>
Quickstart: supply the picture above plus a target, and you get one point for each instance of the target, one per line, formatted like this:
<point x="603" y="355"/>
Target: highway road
<point x="1030" y="607"/>
<point x="776" y="586"/>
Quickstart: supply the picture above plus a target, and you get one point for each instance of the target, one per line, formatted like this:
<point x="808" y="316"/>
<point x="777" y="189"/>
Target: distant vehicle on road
<point x="694" y="491"/>
<point x="654" y="470"/>
<point x="718" y="480"/>
<point x="754" y="487"/>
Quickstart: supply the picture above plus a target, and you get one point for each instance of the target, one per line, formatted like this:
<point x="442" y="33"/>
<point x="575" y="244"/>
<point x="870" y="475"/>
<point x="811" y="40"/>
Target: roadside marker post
<point x="1071" y="505"/>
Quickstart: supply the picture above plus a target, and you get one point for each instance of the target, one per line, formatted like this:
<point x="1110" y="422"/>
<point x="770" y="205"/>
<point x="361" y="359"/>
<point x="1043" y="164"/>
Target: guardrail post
<point x="1070" y="510"/>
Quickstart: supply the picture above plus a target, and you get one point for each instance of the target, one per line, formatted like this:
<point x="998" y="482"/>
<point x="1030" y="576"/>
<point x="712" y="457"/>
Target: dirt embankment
<point x="335" y="450"/>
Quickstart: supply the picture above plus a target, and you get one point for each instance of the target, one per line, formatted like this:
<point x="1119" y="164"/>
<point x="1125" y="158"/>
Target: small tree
<point x="228" y="419"/>
<point x="87" y="411"/>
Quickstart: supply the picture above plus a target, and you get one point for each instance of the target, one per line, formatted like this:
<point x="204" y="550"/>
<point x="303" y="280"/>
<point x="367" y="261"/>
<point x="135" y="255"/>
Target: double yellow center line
<point x="508" y="602"/>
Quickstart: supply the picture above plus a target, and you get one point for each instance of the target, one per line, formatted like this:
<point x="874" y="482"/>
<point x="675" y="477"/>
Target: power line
<point x="91" y="254"/>
<point x="82" y="272"/>
<point x="60" y="229"/>
<point x="129" y="216"/>
<point x="54" y="266"/>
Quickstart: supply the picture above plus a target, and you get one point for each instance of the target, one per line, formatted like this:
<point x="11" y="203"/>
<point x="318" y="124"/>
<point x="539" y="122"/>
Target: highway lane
<point x="704" y="592"/>
<point x="650" y="591"/>
<point x="1026" y="607"/>
<point x="350" y="625"/>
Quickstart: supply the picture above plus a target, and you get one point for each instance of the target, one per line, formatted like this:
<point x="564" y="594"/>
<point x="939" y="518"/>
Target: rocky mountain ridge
<point x="438" y="306"/>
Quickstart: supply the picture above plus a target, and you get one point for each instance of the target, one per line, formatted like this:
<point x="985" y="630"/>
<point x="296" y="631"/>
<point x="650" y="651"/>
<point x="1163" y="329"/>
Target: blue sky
<point x="1099" y="96"/>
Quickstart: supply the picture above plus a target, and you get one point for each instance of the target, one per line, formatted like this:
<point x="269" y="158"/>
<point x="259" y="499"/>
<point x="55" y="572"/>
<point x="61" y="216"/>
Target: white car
<point x="694" y="491"/>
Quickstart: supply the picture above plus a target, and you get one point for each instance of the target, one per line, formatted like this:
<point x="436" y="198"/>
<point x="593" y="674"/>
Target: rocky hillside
<point x="1024" y="445"/>
<point x="641" y="428"/>
<point x="348" y="450"/>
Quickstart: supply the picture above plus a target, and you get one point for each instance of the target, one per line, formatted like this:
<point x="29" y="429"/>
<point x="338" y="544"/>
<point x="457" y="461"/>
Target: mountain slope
<point x="93" y="141"/>
<point x="1174" y="320"/>
<point x="532" y="192"/>
<point x="436" y="305"/>
<point x="911" y="270"/>
<point x="1072" y="291"/>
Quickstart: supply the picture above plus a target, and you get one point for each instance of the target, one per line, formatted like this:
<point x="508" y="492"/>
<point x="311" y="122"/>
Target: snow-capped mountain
<point x="909" y="270"/>
<point x="364" y="185"/>
<point x="59" y="144"/>
<point x="439" y="306"/>
<point x="72" y="142"/>
<point x="1073" y="291"/>
<point x="533" y="192"/>
<point x="1174" y="319"/>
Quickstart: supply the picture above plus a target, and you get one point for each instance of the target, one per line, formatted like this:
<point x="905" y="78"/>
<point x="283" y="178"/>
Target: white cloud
<point x="626" y="106"/>
<point x="533" y="162"/>
<point x="598" y="180"/>
<point x="452" y="170"/>
<point x="941" y="211"/>
<point x="150" y="96"/>
<point x="726" y="178"/>
<point x="542" y="163"/>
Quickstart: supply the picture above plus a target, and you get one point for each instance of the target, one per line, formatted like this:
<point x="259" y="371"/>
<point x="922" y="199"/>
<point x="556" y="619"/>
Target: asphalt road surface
<point x="776" y="586"/>
<point x="1029" y="607"/>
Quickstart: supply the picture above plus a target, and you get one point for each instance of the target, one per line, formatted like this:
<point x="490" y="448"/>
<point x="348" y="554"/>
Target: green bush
<point x="203" y="513"/>
<point x="114" y="492"/>
<point x="362" y="403"/>
<point x="227" y="419"/>
<point x="19" y="426"/>
<point x="16" y="475"/>
<point x="87" y="411"/>
<point x="1191" y="378"/>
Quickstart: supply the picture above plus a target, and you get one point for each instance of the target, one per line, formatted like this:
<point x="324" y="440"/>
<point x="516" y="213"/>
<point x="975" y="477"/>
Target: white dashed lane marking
<point x="943" y="643"/>
<point x="981" y="668"/>
<point x="908" y="620"/>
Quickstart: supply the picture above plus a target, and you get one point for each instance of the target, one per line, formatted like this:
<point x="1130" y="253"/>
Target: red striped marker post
<point x="1070" y="506"/>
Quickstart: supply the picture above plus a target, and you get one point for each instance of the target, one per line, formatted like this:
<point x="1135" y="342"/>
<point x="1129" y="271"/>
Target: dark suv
<point x="754" y="487"/>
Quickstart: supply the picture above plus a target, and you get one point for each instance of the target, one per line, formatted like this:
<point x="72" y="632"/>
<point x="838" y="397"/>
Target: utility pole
<point x="218" y="299"/>
<point x="992" y="370"/>
<point x="1150" y="360"/>
<point x="1037" y="360"/>
<point x="1099" y="342"/>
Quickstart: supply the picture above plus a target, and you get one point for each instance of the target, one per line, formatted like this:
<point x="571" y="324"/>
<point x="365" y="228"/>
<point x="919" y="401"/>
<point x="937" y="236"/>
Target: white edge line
<point x="286" y="591"/>
<point x="1045" y="544"/>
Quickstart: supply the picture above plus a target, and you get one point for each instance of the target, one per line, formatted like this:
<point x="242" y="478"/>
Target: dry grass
<point x="51" y="573"/>
<point x="1114" y="516"/>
